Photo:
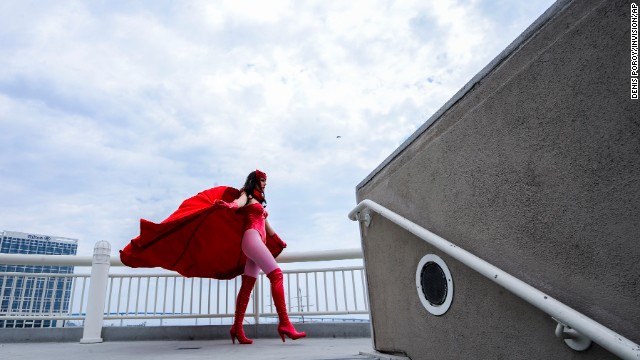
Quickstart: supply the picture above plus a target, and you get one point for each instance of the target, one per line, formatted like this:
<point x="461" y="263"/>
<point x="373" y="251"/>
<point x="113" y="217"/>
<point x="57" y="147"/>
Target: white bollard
<point x="97" y="292"/>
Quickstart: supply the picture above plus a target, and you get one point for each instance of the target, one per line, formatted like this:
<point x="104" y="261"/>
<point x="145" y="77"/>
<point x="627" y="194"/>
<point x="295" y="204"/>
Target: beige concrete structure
<point x="261" y="349"/>
<point x="534" y="166"/>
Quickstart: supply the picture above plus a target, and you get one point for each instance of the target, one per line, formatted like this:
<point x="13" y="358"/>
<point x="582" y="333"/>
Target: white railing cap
<point x="75" y="260"/>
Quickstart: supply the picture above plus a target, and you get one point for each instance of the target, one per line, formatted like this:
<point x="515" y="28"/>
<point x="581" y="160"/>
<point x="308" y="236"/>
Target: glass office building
<point x="33" y="293"/>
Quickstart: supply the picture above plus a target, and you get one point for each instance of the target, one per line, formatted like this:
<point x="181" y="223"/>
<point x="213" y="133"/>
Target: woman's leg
<point x="251" y="271"/>
<point x="257" y="252"/>
<point x="251" y="268"/>
<point x="237" y="332"/>
<point x="277" y="292"/>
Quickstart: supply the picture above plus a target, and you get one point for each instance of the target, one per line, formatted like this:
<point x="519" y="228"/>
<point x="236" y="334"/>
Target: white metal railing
<point x="104" y="297"/>
<point x="571" y="323"/>
<point x="33" y="297"/>
<point x="79" y="260"/>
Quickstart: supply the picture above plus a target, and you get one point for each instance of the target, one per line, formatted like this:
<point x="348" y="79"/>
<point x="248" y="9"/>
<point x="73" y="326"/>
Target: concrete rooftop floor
<point x="310" y="348"/>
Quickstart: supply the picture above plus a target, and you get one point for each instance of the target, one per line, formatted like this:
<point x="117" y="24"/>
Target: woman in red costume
<point x="220" y="233"/>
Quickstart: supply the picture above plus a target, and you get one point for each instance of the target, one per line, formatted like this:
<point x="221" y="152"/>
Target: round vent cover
<point x="434" y="284"/>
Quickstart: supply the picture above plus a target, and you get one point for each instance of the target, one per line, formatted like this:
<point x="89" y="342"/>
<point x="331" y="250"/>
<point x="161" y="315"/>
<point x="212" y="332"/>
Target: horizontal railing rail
<point x="167" y="296"/>
<point x="84" y="260"/>
<point x="563" y="314"/>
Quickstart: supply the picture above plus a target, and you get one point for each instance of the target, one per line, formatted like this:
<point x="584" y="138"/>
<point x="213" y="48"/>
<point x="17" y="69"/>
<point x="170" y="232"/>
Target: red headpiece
<point x="258" y="191"/>
<point x="260" y="175"/>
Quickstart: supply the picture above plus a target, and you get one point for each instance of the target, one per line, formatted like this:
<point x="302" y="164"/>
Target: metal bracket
<point x="364" y="216"/>
<point x="572" y="338"/>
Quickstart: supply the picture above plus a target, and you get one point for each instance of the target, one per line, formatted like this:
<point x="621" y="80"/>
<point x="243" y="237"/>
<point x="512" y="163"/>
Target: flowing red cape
<point x="200" y="239"/>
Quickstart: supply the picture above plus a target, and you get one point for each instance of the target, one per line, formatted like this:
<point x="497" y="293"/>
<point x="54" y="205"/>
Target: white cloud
<point x="114" y="111"/>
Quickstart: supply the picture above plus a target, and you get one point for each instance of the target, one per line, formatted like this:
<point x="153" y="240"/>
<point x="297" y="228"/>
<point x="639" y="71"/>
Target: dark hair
<point x="250" y="185"/>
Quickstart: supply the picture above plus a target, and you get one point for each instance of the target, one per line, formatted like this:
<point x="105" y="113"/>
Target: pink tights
<point x="258" y="256"/>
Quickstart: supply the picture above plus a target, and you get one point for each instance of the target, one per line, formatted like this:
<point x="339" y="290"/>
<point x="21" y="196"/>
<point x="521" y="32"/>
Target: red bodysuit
<point x="255" y="216"/>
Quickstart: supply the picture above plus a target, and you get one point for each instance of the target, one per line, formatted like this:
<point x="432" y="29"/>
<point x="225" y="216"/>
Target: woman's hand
<point x="279" y="241"/>
<point x="234" y="205"/>
<point x="221" y="203"/>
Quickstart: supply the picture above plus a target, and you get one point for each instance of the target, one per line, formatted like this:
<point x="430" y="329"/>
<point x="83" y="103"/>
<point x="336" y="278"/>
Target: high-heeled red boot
<point x="277" y="292"/>
<point x="237" y="332"/>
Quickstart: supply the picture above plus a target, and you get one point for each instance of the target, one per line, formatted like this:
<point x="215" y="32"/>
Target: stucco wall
<point x="535" y="167"/>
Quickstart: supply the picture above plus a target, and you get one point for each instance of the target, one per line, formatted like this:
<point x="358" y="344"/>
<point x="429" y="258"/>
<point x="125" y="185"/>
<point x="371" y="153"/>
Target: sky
<point x="112" y="111"/>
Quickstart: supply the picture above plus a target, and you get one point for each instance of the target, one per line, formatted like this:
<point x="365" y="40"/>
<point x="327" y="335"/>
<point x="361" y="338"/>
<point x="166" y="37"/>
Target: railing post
<point x="97" y="292"/>
<point x="256" y="302"/>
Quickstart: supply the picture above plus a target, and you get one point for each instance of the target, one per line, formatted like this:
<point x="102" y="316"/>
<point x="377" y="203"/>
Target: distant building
<point x="33" y="294"/>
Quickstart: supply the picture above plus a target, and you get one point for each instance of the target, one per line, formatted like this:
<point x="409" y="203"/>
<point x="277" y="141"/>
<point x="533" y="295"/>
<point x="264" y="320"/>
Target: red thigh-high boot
<point x="241" y="306"/>
<point x="277" y="292"/>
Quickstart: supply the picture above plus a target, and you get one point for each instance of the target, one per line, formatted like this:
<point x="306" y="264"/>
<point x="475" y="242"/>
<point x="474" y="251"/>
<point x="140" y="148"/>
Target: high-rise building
<point x="32" y="293"/>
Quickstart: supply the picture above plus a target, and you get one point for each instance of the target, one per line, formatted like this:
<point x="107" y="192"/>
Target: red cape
<point x="200" y="239"/>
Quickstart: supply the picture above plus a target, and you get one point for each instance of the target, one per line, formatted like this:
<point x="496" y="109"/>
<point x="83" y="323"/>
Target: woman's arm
<point x="268" y="227"/>
<point x="273" y="234"/>
<point x="242" y="200"/>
